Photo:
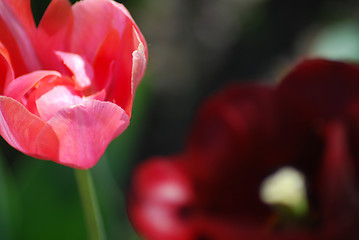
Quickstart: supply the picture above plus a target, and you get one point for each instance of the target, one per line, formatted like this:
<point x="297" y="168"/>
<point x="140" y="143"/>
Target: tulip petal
<point x="54" y="100"/>
<point x="57" y="17"/>
<point x="320" y="89"/>
<point x="234" y="120"/>
<point x="114" y="56"/>
<point x="21" y="85"/>
<point x="106" y="55"/>
<point x="21" y="10"/>
<point x="223" y="147"/>
<point x="54" y="33"/>
<point x="139" y="60"/>
<point x="96" y="18"/>
<point x="85" y="131"/>
<point x="81" y="69"/>
<point x="120" y="89"/>
<point x="20" y="129"/>
<point x="6" y="71"/>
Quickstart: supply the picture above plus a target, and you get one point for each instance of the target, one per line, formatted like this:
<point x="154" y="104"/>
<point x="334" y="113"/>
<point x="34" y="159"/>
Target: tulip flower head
<point x="262" y="162"/>
<point x="67" y="86"/>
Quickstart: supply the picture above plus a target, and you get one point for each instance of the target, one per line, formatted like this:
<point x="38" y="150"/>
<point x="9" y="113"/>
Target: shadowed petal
<point x="228" y="130"/>
<point x="6" y="71"/>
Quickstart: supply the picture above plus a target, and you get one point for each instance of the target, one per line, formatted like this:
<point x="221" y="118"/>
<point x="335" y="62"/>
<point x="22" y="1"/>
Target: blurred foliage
<point x="338" y="41"/>
<point x="195" y="47"/>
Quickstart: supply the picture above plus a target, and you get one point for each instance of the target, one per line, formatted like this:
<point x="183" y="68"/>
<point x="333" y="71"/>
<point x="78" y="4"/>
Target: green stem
<point x="90" y="205"/>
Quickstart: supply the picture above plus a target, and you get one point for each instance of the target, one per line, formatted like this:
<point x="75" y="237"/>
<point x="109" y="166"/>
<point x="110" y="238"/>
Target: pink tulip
<point x="67" y="86"/>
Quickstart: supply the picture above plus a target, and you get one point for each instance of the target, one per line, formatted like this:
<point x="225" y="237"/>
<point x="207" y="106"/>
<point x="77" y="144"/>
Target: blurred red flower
<point x="245" y="135"/>
<point x="67" y="86"/>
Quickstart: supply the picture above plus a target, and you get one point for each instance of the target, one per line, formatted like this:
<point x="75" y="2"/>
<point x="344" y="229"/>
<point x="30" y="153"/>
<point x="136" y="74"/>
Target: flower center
<point x="285" y="190"/>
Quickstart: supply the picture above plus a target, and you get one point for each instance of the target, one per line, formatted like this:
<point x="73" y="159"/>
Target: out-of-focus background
<point x="195" y="48"/>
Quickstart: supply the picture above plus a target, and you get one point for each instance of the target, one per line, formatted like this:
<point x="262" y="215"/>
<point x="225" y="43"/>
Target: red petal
<point x="319" y="89"/>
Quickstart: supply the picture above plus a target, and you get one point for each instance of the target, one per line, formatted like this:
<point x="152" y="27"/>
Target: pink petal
<point x="80" y="67"/>
<point x="21" y="129"/>
<point x="21" y="85"/>
<point x="17" y="30"/>
<point x="85" y="131"/>
<point x="54" y="100"/>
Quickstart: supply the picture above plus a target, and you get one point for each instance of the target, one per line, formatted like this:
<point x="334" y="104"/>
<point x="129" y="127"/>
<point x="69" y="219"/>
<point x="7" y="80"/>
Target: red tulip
<point x="241" y="137"/>
<point x="161" y="201"/>
<point x="67" y="86"/>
